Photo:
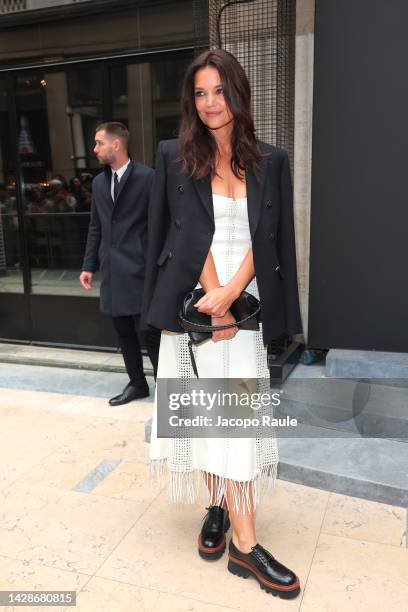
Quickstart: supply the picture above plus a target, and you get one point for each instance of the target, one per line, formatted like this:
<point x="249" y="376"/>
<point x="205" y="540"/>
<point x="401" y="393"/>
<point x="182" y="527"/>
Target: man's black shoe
<point x="212" y="541"/>
<point x="272" y="576"/>
<point x="130" y="392"/>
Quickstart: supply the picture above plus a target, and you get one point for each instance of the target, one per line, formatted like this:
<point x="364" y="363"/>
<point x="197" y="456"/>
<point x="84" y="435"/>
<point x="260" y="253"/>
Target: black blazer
<point x="180" y="232"/>
<point x="117" y="238"/>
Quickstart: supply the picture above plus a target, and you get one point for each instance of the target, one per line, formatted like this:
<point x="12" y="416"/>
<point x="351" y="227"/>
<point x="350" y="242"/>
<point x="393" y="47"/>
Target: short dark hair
<point x="116" y="129"/>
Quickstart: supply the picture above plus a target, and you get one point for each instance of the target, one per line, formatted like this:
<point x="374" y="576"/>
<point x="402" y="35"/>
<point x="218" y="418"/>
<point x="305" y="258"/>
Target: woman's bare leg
<point x="212" y="481"/>
<point x="243" y="525"/>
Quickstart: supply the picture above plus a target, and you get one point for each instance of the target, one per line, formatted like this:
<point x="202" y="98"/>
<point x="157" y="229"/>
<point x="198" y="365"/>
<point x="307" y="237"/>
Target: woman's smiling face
<point x="211" y="105"/>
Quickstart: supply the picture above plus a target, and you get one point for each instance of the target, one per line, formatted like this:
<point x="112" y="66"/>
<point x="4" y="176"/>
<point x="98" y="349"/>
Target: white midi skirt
<point x="202" y="468"/>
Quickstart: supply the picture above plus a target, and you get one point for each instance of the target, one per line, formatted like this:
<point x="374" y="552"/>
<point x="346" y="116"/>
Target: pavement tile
<point x="128" y="481"/>
<point x="349" y="553"/>
<point x="112" y="596"/>
<point x="28" y="434"/>
<point x="60" y="471"/>
<point x="350" y="575"/>
<point x="12" y="399"/>
<point x="23" y="575"/>
<point x="139" y="410"/>
<point x="114" y="439"/>
<point x="363" y="519"/>
<point x="12" y="470"/>
<point x="167" y="535"/>
<point x="63" y="529"/>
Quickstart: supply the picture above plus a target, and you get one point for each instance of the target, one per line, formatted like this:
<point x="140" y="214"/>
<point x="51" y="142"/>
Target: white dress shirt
<point x="120" y="172"/>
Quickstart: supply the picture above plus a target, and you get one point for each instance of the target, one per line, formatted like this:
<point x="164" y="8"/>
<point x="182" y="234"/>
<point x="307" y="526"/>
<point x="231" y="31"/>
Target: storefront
<point x="123" y="64"/>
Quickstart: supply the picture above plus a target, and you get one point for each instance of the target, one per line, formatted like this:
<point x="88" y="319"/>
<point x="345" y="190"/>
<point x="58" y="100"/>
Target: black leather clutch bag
<point x="246" y="311"/>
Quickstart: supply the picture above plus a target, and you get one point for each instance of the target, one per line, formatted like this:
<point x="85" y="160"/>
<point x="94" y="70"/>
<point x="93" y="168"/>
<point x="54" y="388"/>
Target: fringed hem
<point x="188" y="487"/>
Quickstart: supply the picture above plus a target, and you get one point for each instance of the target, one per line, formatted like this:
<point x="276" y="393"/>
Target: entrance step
<point x="71" y="358"/>
<point x="369" y="468"/>
<point x="366" y="364"/>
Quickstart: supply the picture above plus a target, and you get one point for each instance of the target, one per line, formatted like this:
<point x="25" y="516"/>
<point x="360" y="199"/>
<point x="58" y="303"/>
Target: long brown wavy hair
<point x="198" y="145"/>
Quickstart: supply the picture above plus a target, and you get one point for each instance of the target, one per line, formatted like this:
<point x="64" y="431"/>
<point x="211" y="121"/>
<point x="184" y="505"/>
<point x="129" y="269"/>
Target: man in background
<point x="117" y="241"/>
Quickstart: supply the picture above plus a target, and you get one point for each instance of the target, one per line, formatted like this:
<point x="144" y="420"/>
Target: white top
<point x="232" y="239"/>
<point x="120" y="172"/>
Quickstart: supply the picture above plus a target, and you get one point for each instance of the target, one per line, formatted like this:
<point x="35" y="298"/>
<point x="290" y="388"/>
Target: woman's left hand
<point x="216" y="302"/>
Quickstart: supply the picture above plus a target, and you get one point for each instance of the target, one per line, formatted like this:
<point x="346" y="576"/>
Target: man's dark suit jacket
<point x="180" y="232"/>
<point x="117" y="239"/>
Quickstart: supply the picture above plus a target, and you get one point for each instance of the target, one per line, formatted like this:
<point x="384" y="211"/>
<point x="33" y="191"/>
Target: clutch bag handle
<point x="210" y="328"/>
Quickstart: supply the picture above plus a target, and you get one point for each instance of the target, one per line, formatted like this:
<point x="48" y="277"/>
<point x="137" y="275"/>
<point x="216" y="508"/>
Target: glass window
<point x="146" y="97"/>
<point x="57" y="115"/>
<point x="11" y="278"/>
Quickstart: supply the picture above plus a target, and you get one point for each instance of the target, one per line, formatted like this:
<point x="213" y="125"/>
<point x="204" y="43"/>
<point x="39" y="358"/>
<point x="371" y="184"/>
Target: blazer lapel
<point x="108" y="177"/>
<point x="203" y="189"/>
<point x="255" y="189"/>
<point x="254" y="194"/>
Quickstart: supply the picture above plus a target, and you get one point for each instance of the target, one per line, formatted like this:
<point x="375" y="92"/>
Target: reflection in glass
<point x="167" y="77"/>
<point x="146" y="97"/>
<point x="57" y="114"/>
<point x="84" y="112"/>
<point x="11" y="278"/>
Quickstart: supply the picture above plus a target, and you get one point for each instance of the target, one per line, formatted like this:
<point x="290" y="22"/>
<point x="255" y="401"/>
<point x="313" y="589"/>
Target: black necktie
<point x="115" y="186"/>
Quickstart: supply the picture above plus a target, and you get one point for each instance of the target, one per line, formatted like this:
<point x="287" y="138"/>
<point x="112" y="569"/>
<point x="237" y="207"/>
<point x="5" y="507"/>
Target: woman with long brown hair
<point x="221" y="218"/>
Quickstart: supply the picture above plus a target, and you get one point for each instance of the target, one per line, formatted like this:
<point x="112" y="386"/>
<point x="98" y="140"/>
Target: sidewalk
<point x="76" y="513"/>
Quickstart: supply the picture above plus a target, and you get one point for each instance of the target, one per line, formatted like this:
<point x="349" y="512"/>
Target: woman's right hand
<point x="224" y="334"/>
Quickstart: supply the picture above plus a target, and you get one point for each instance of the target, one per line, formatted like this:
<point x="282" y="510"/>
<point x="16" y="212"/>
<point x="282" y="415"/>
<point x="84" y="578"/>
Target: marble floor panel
<point x="123" y="547"/>
<point x="166" y="535"/>
<point x="363" y="519"/>
<point x="138" y="411"/>
<point x="63" y="529"/>
<point x="112" y="438"/>
<point x="350" y="575"/>
<point x="112" y="596"/>
<point x="23" y="575"/>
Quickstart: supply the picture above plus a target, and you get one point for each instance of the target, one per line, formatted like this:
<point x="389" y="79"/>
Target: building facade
<point x="68" y="65"/>
<point x="64" y="68"/>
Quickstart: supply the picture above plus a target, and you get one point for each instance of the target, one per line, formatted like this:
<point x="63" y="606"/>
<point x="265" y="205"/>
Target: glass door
<point x="47" y="128"/>
<point x="11" y="276"/>
<point x="56" y="118"/>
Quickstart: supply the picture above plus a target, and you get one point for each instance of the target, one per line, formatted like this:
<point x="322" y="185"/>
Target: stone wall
<point x="303" y="144"/>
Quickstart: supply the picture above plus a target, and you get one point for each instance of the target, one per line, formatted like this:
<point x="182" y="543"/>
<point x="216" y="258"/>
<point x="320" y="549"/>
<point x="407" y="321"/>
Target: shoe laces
<point x="261" y="554"/>
<point x="217" y="518"/>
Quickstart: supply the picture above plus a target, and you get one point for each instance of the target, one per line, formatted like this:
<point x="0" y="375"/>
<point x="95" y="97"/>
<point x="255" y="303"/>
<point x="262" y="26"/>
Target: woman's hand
<point x="224" y="334"/>
<point x="216" y="302"/>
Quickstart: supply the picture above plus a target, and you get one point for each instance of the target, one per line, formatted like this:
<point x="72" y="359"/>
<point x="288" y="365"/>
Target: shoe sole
<point x="243" y="570"/>
<point x="128" y="401"/>
<point x="216" y="552"/>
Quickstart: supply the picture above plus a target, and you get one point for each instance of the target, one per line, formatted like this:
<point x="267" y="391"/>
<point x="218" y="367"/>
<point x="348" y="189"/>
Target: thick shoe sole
<point x="216" y="552"/>
<point x="240" y="568"/>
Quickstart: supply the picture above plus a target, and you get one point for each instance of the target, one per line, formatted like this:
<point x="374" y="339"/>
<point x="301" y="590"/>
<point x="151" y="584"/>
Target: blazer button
<point x="170" y="255"/>
<point x="180" y="188"/>
<point x="272" y="236"/>
<point x="269" y="204"/>
<point x="177" y="224"/>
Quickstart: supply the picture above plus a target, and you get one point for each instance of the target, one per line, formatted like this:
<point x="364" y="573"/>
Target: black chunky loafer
<point x="212" y="540"/>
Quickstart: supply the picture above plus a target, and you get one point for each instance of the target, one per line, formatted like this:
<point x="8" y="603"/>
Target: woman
<point x="221" y="217"/>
